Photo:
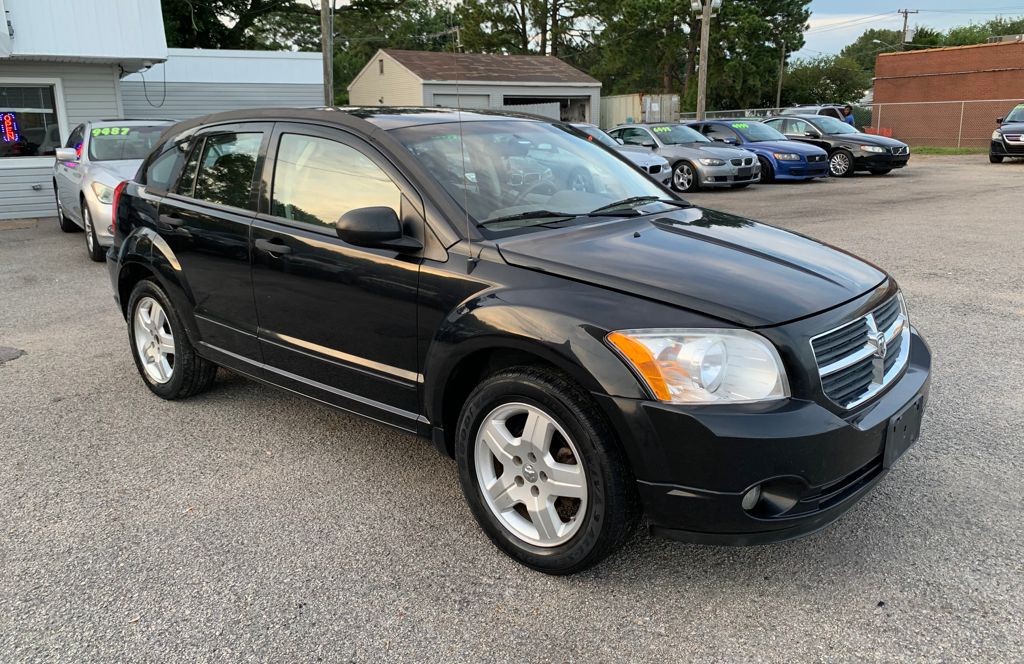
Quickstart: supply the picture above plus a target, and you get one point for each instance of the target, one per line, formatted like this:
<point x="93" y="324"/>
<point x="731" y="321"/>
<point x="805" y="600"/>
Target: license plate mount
<point x="745" y="172"/>
<point x="903" y="431"/>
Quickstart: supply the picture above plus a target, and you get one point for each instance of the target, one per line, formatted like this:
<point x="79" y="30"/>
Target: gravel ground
<point x="250" y="525"/>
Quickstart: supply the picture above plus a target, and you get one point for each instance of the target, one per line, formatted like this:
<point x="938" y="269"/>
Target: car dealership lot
<point x="250" y="524"/>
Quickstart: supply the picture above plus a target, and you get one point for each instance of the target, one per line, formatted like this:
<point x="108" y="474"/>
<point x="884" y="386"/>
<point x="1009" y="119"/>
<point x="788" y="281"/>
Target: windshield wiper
<point x="634" y="201"/>
<point x="529" y="214"/>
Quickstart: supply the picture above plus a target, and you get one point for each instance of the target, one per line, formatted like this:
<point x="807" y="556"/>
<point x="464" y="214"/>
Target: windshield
<point x="599" y="136"/>
<point x="679" y="134"/>
<point x="756" y="131"/>
<point x="832" y="126"/>
<point x="1016" y="115"/>
<point x="533" y="171"/>
<point x="113" y="143"/>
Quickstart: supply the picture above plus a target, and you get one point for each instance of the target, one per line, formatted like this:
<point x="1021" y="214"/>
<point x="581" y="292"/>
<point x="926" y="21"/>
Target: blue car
<point x="781" y="158"/>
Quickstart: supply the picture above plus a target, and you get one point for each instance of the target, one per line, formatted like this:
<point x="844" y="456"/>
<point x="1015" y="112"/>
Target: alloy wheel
<point x="154" y="340"/>
<point x="683" y="177"/>
<point x="839" y="164"/>
<point x="530" y="474"/>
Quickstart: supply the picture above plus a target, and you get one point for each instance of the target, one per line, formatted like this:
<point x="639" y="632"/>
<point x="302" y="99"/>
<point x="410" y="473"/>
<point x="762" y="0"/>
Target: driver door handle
<point x="272" y="246"/>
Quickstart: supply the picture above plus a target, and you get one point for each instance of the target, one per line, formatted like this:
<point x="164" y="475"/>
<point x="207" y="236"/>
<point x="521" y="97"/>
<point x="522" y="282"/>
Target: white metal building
<point x="199" y="81"/>
<point x="474" y="80"/>
<point x="60" y="64"/>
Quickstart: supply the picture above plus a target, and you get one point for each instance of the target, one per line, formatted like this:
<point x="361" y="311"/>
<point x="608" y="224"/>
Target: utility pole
<point x="782" y="70"/>
<point x="906" y="13"/>
<point x="327" y="44"/>
<point x="705" y="7"/>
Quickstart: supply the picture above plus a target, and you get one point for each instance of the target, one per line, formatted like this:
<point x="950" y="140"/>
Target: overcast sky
<point x="836" y="23"/>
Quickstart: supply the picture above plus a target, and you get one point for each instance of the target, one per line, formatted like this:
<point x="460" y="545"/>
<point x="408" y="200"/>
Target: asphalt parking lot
<point x="247" y="524"/>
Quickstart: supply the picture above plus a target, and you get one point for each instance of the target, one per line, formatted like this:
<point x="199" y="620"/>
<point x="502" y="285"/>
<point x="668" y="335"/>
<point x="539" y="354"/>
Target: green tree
<point x="865" y="49"/>
<point x="825" y="79"/>
<point x="221" y="23"/>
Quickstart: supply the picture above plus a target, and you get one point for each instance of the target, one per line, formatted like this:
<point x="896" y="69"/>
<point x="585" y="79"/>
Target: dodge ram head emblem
<point x="880" y="346"/>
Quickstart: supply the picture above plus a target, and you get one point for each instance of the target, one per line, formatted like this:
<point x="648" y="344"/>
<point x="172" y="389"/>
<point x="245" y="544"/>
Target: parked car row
<point x="739" y="152"/>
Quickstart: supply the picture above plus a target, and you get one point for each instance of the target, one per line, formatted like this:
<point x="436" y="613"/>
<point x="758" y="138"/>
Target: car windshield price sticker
<point x="662" y="130"/>
<point x="111" y="131"/>
<point x="740" y="125"/>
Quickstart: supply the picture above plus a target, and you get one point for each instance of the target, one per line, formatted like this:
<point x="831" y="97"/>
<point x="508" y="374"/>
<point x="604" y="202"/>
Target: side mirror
<point x="648" y="143"/>
<point x="66" y="154"/>
<point x="620" y="141"/>
<point x="812" y="134"/>
<point x="375" y="227"/>
<point x="999" y="120"/>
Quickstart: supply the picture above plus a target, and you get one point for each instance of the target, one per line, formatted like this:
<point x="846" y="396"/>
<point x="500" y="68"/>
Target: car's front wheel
<point x="92" y="244"/>
<point x="164" y="356"/>
<point x="840" y="164"/>
<point x="684" y="177"/>
<point x="542" y="471"/>
<point x="995" y="159"/>
<point x="767" y="172"/>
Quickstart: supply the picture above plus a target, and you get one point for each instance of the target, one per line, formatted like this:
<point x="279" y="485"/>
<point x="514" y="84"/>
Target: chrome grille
<point x="748" y="161"/>
<point x="654" y="169"/>
<point x="859" y="359"/>
<point x="737" y="162"/>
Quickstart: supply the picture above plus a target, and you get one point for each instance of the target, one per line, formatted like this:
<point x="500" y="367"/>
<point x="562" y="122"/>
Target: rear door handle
<point x="272" y="246"/>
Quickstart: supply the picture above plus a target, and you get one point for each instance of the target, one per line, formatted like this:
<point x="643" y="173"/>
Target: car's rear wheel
<point x="163" y="354"/>
<point x="767" y="172"/>
<point x="684" y="177"/>
<point x="995" y="159"/>
<point x="840" y="164"/>
<point x="542" y="471"/>
<point x="65" y="224"/>
<point x="881" y="171"/>
<point x="92" y="244"/>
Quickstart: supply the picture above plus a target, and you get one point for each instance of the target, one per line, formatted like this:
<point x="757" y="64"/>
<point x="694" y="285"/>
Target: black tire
<point x="612" y="505"/>
<point x="63" y="222"/>
<point x="191" y="373"/>
<point x="995" y="159"/>
<point x="96" y="252"/>
<point x="839" y="156"/>
<point x="678" y="178"/>
<point x="881" y="171"/>
<point x="767" y="172"/>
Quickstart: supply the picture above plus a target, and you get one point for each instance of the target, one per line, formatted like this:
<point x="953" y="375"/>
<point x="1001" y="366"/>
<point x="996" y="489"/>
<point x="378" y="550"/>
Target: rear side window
<point x="226" y="169"/>
<point x="317" y="180"/>
<point x="160" y="172"/>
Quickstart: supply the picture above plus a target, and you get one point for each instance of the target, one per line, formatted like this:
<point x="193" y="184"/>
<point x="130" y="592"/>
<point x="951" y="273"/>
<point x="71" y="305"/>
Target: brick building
<point x="947" y="96"/>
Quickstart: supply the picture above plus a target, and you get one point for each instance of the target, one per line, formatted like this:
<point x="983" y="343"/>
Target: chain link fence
<point x="952" y="124"/>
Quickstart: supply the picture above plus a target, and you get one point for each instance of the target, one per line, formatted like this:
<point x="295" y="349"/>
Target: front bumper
<point x="864" y="161"/>
<point x="728" y="175"/>
<point x="713" y="455"/>
<point x="1006" y="149"/>
<point x="801" y="170"/>
<point x="101" y="219"/>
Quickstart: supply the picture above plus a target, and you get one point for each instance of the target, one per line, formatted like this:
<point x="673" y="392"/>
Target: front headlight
<point x="996" y="136"/>
<point x="872" y="148"/>
<point x="712" y="162"/>
<point x="104" y="193"/>
<point x="700" y="366"/>
<point x="786" y="156"/>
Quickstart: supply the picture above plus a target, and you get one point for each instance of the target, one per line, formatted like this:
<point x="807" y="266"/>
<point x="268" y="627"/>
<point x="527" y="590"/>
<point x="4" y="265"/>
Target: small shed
<point x="195" y="82"/>
<point x="533" y="83"/>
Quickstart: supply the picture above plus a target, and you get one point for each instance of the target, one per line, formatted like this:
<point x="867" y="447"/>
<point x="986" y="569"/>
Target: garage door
<point x="462" y="101"/>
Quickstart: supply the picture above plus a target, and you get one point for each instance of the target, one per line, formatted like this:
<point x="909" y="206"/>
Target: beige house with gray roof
<point x="534" y="83"/>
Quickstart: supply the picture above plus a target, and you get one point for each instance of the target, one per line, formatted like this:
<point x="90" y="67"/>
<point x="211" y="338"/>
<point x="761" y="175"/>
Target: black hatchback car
<point x="585" y="356"/>
<point x="848" y="150"/>
<point x="1008" y="137"/>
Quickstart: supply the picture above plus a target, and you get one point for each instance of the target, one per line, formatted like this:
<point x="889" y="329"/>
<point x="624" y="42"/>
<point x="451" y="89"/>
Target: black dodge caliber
<point x="587" y="355"/>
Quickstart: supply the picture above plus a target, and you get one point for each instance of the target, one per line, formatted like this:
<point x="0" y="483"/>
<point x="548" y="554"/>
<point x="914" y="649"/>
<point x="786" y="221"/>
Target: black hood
<point x="868" y="139"/>
<point x="1011" y="128"/>
<point x="734" y="269"/>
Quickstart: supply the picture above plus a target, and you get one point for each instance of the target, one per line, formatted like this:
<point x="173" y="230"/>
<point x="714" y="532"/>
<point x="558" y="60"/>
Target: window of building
<point x="226" y="169"/>
<point x="317" y="180"/>
<point x="380" y="66"/>
<point x="28" y="121"/>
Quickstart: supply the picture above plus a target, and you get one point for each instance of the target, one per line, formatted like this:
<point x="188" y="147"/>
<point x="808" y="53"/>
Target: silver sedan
<point x="657" y="167"/>
<point x="96" y="158"/>
<point x="696" y="161"/>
